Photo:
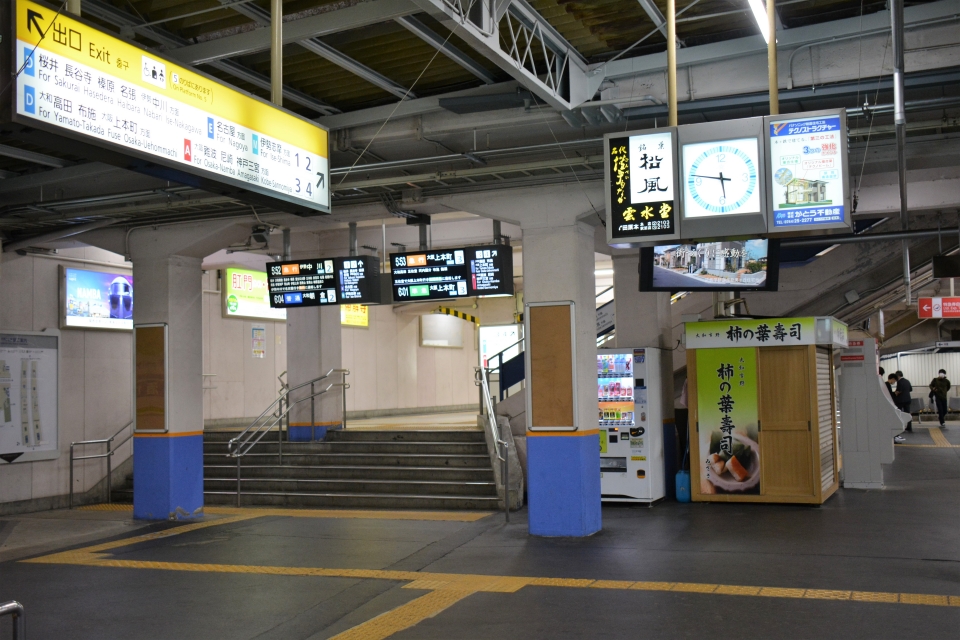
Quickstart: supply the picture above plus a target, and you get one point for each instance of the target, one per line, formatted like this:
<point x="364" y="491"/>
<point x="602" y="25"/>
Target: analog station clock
<point x="721" y="178"/>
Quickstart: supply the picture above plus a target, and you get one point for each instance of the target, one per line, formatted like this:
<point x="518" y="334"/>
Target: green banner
<point x="727" y="414"/>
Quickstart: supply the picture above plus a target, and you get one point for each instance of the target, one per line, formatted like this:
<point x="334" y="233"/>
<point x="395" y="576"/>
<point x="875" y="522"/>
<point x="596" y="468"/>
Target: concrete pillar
<point x="313" y="349"/>
<point x="563" y="484"/>
<point x="168" y="467"/>
<point x="644" y="320"/>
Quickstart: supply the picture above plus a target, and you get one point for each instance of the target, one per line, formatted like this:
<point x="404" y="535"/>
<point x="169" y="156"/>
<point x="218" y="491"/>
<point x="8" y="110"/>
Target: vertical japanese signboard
<point x="641" y="173"/>
<point x="727" y="417"/>
<point x="80" y="82"/>
<point x="807" y="177"/>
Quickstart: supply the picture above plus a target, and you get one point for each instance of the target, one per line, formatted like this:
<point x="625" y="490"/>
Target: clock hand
<point x="710" y="177"/>
<point x="722" y="186"/>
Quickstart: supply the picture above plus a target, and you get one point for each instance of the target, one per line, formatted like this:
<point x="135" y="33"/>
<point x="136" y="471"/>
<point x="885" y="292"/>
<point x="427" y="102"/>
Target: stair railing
<point x="15" y="610"/>
<point x="272" y="417"/>
<point x="503" y="450"/>
<point x="111" y="449"/>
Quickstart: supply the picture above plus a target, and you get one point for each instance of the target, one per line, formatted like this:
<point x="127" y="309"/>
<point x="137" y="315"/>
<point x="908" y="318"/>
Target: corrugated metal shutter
<point x="921" y="368"/>
<point x="825" y="413"/>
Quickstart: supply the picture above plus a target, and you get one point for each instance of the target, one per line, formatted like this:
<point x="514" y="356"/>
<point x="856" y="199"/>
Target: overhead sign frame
<point x="822" y="135"/>
<point x="91" y="52"/>
<point x="642" y="201"/>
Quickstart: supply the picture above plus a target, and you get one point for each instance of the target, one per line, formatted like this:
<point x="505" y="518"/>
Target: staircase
<point x="366" y="469"/>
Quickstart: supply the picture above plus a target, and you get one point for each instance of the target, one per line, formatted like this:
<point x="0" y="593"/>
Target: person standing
<point x="939" y="388"/>
<point x="902" y="396"/>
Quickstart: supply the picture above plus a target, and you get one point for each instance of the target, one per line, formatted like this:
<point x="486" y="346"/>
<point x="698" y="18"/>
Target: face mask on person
<point x="942" y="375"/>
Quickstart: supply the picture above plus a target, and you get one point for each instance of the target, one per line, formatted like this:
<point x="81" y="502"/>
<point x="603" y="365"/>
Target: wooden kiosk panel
<point x="796" y="410"/>
<point x="550" y="366"/>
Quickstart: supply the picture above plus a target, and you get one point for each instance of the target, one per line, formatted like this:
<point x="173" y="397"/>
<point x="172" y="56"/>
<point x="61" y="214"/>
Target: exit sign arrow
<point x="33" y="18"/>
<point x="938" y="307"/>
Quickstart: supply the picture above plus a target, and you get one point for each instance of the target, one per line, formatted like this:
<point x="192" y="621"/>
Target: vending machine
<point x="631" y="425"/>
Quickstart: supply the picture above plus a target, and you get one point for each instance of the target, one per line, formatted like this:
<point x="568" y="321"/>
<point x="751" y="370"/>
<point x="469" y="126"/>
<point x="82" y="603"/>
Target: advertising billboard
<point x="725" y="265"/>
<point x="94" y="299"/>
<point x="246" y="295"/>
<point x="90" y="85"/>
<point x="807" y="174"/>
<point x="641" y="196"/>
<point x="354" y="315"/>
<point x="441" y="274"/>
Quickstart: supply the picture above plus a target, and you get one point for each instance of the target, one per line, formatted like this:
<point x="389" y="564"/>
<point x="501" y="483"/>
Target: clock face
<point x="720" y="178"/>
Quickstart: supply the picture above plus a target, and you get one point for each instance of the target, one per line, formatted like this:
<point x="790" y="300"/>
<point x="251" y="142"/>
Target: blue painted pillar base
<point x="168" y="476"/>
<point x="563" y="484"/>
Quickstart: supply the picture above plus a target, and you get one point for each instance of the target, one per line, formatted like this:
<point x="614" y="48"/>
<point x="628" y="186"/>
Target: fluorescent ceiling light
<point x="603" y="272"/>
<point x="760" y="15"/>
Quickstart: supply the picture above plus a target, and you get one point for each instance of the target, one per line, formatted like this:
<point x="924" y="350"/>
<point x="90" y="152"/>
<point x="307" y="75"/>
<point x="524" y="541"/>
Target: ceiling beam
<point x="653" y="12"/>
<point x="118" y="18"/>
<point x="523" y="44"/>
<point x="355" y="17"/>
<point x="31" y="156"/>
<point x="444" y="46"/>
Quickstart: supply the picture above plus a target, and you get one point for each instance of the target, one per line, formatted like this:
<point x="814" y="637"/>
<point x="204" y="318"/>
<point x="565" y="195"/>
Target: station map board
<point x="81" y="82"/>
<point x="29" y="388"/>
<point x="325" y="281"/>
<point x="641" y="198"/>
<point x="441" y="274"/>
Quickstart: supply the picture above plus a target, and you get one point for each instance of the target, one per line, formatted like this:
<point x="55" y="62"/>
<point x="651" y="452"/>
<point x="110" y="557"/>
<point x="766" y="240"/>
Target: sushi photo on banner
<point x="727" y="409"/>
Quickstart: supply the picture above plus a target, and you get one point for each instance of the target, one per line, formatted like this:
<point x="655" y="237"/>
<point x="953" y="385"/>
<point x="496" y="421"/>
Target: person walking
<point x="939" y="388"/>
<point x="902" y="395"/>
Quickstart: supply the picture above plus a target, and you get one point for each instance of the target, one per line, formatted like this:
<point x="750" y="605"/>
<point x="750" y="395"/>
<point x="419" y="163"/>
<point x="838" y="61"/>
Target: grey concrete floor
<point x="904" y="539"/>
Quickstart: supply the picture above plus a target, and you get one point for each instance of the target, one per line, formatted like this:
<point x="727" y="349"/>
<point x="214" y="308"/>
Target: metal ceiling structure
<point x="356" y="63"/>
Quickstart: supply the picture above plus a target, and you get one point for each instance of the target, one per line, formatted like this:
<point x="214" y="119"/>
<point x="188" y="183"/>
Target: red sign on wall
<point x="938" y="308"/>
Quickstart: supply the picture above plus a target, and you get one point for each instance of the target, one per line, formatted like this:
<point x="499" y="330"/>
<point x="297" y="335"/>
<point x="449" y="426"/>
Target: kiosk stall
<point x="763" y="409"/>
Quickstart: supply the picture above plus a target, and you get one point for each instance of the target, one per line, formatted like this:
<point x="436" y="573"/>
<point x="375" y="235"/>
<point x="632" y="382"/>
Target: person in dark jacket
<point x="939" y="387"/>
<point x="886" y="381"/>
<point x="902" y="395"/>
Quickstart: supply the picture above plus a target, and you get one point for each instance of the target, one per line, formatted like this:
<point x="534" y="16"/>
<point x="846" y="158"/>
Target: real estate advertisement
<point x="727" y="402"/>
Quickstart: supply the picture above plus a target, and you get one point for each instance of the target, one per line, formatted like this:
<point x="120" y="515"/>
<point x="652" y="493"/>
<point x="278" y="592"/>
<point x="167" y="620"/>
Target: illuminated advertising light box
<point x="807" y="185"/>
<point x="441" y="274"/>
<point x="163" y="119"/>
<point x="723" y="193"/>
<point x="354" y="315"/>
<point x="728" y="265"/>
<point x="641" y="198"/>
<point x="310" y="283"/>
<point x="246" y="295"/>
<point x="91" y="299"/>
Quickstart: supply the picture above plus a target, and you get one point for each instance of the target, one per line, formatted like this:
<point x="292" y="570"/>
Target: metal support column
<point x="773" y="77"/>
<point x="276" y="52"/>
<point x="423" y="237"/>
<point x="73" y="6"/>
<point x="672" y="61"/>
<point x="353" y="238"/>
<point x="496" y="232"/>
<point x="900" y="122"/>
<point x="287" y="255"/>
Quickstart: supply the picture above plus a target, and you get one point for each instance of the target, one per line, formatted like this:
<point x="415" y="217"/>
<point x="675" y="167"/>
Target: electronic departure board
<point x="440" y="274"/>
<point x="309" y="283"/>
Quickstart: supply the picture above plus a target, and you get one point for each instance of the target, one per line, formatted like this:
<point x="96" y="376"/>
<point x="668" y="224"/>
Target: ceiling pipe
<point x="900" y="121"/>
<point x="60" y="234"/>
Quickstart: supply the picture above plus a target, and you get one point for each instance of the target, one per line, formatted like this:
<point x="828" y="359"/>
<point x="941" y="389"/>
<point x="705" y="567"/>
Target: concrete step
<point x="372" y="472"/>
<point x="355" y="459"/>
<point x="349" y="486"/>
<point x="357" y="447"/>
<point x="363" y="435"/>
<point x="354" y="500"/>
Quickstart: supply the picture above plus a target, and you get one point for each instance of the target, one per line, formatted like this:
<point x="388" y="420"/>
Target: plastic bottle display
<point x="615" y="391"/>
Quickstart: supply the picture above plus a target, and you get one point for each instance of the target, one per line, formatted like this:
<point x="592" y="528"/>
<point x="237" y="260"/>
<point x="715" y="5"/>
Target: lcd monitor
<point x="94" y="299"/>
<point x="441" y="274"/>
<point x="727" y="265"/>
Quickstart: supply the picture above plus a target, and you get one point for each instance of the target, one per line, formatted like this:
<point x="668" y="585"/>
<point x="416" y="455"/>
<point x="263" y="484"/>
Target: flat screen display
<point x="95" y="299"/>
<point x="325" y="281"/>
<point x="441" y="274"/>
<point x="246" y="295"/>
<point x="729" y="265"/>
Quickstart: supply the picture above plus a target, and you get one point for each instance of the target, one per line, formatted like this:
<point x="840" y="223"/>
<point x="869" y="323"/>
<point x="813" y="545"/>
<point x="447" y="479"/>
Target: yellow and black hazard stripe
<point x="459" y="314"/>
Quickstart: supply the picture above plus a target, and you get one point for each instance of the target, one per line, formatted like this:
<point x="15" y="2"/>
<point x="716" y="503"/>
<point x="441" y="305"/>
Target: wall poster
<point x="727" y="420"/>
<point x="29" y="379"/>
<point x="259" y="332"/>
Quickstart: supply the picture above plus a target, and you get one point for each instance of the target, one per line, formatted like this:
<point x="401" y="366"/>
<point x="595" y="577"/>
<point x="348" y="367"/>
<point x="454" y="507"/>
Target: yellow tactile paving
<point x="446" y="589"/>
<point x="938" y="438"/>
<point x="369" y="514"/>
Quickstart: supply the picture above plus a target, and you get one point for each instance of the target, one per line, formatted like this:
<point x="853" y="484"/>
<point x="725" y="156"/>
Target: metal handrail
<point x="15" y="610"/>
<point x="499" y="354"/>
<point x="108" y="455"/>
<point x="248" y="444"/>
<point x="480" y="379"/>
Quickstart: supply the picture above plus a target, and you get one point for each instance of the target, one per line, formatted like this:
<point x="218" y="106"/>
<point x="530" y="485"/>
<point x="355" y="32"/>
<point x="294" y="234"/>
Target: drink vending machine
<point x="631" y="425"/>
